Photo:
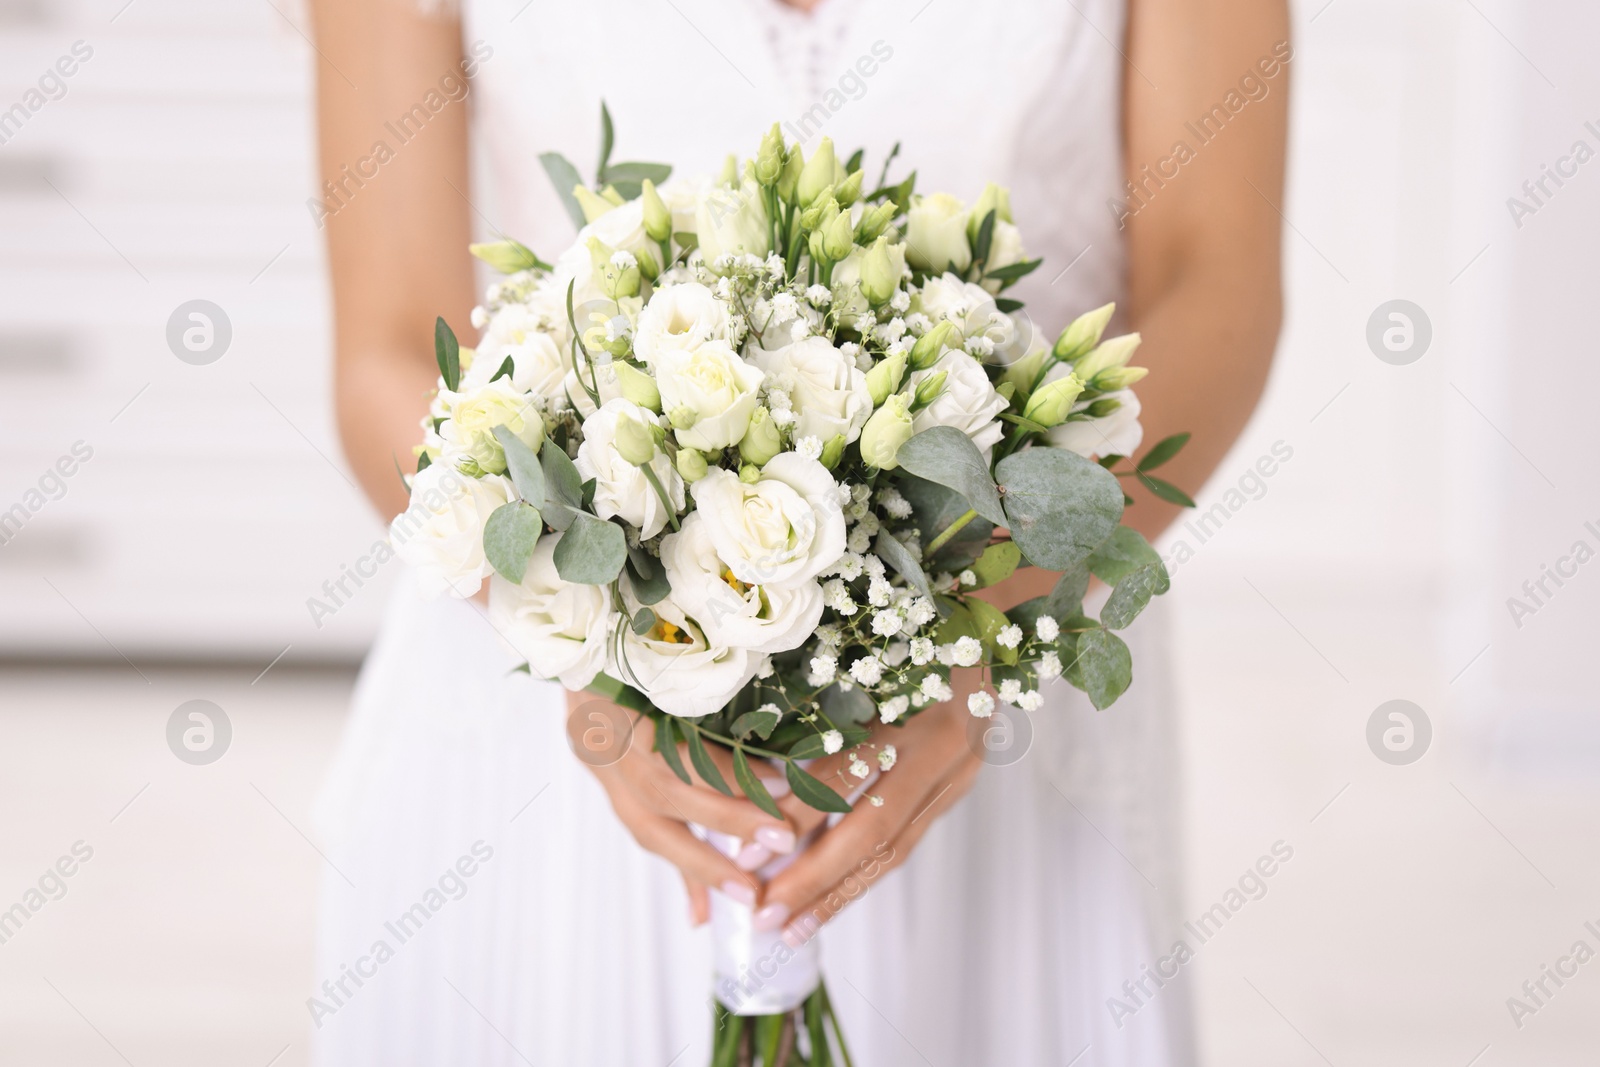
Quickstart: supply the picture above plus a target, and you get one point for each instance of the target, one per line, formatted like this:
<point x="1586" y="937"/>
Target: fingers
<point x="763" y="835"/>
<point x="699" y="901"/>
<point x="695" y="860"/>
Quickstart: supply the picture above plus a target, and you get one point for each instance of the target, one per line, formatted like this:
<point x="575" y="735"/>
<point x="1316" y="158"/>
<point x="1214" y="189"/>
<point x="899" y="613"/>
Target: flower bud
<point x="683" y="417"/>
<point x="769" y="159"/>
<point x="1119" y="378"/>
<point x="647" y="264"/>
<point x="818" y="173"/>
<point x="928" y="391"/>
<point x="730" y="172"/>
<point x="1108" y="355"/>
<point x="874" y="221"/>
<point x="996" y="198"/>
<point x="1052" y="403"/>
<point x="887" y="429"/>
<point x="833" y="451"/>
<point x="931" y="345"/>
<point x="633" y="441"/>
<point x="507" y="257"/>
<point x="840" y="238"/>
<point x="849" y="190"/>
<point x="789" y="178"/>
<point x="1083" y="334"/>
<point x="936" y="234"/>
<point x="879" y="278"/>
<point x="593" y="206"/>
<point x="761" y="441"/>
<point x="637" y="386"/>
<point x="1103" y="407"/>
<point x="691" y="464"/>
<point x="657" y="219"/>
<point x="610" y="193"/>
<point x="1025" y="371"/>
<point x="750" y="474"/>
<point x="815" y="246"/>
<point x="885" y="378"/>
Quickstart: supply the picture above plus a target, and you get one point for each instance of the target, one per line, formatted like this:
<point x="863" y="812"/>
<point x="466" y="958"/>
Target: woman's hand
<point x="935" y="767"/>
<point x="656" y="806"/>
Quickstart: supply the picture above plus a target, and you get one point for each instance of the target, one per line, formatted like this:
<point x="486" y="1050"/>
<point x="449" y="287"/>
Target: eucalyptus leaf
<point x="843" y="707"/>
<point x="704" y="765"/>
<point x="812" y="792"/>
<point x="1105" y="667"/>
<point x="636" y="173"/>
<point x="522" y="463"/>
<point x="897" y="555"/>
<point x="935" y="507"/>
<point x="1066" y="598"/>
<point x="1130" y="596"/>
<point x="509" y="538"/>
<point x="591" y="551"/>
<point x="751" y="786"/>
<point x="1166" y="490"/>
<point x="758" y="722"/>
<point x="447" y="353"/>
<point x="945" y="455"/>
<point x="563" y="483"/>
<point x="958" y="624"/>
<point x="644" y="620"/>
<point x="564" y="176"/>
<point x="1162" y="451"/>
<point x="1124" y="552"/>
<point x="998" y="562"/>
<point x="1060" y="506"/>
<point x="667" y="745"/>
<point x="647" y="577"/>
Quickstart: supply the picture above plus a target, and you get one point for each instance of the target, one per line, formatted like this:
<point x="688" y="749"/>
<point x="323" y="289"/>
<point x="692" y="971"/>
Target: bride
<point x="490" y="898"/>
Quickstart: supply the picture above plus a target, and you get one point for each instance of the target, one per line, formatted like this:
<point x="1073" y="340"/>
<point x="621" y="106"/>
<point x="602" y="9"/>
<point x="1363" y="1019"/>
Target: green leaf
<point x="893" y="152"/>
<point x="1008" y="305"/>
<point x="1105" y="666"/>
<point x="751" y="785"/>
<point x="635" y="174"/>
<point x="1014" y="271"/>
<point x="811" y="745"/>
<point x="667" y="745"/>
<point x="842" y="707"/>
<point x="1060" y="506"/>
<point x="591" y="551"/>
<point x="1130" y="596"/>
<point x="998" y="562"/>
<point x="522" y="463"/>
<point x="1026" y="424"/>
<point x="1162" y="451"/>
<point x="608" y="137"/>
<point x="1166" y="491"/>
<point x="644" y="621"/>
<point x="812" y="792"/>
<point x="854" y="163"/>
<point x="980" y="247"/>
<point x="760" y="723"/>
<point x="563" y="483"/>
<point x="945" y="455"/>
<point x="1124" y="552"/>
<point x="564" y="176"/>
<point x="958" y="624"/>
<point x="1066" y="599"/>
<point x="935" y="508"/>
<point x="507" y="366"/>
<point x="647" y="577"/>
<point x="447" y="352"/>
<point x="623" y="695"/>
<point x="897" y="555"/>
<point x="509" y="538"/>
<point x="424" y="461"/>
<point x="687" y="241"/>
<point x="704" y="765"/>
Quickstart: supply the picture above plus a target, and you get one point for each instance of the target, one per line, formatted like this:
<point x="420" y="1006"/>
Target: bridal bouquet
<point x="744" y="458"/>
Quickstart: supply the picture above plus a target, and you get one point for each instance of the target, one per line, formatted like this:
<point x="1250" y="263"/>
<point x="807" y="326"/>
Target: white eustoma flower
<point x="468" y="433"/>
<point x="729" y="611"/>
<point x="677" y="668"/>
<point x="561" y="628"/>
<point x="679" y="318"/>
<point x="783" y="529"/>
<point x="969" y="402"/>
<point x="732" y="222"/>
<point x="621" y="229"/>
<point x="828" y="393"/>
<point x="441" y="533"/>
<point x="709" y="393"/>
<point x="621" y="489"/>
<point x="537" y="365"/>
<point x="601" y="377"/>
<point x="1116" y="434"/>
<point x="973" y="310"/>
<point x="936" y="233"/>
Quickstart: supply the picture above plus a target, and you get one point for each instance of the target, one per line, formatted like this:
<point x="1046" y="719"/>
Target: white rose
<point x="440" y="534"/>
<point x="537" y="365"/>
<point x="709" y="394"/>
<point x="754" y="617"/>
<point x="621" y="489"/>
<point x="1116" y="434"/>
<point x="969" y="402"/>
<point x="678" y="669"/>
<point x="830" y="394"/>
<point x="732" y="222"/>
<point x="469" y="431"/>
<point x="561" y="628"/>
<point x="936" y="234"/>
<point x="679" y="318"/>
<point x="780" y="531"/>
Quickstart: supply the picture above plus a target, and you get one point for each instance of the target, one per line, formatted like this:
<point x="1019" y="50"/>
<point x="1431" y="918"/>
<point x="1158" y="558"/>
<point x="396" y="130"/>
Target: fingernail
<point x="778" y="787"/>
<point x="794" y="937"/>
<point x="737" y="890"/>
<point x="771" y="917"/>
<point x="752" y="856"/>
<point x="776" y="839"/>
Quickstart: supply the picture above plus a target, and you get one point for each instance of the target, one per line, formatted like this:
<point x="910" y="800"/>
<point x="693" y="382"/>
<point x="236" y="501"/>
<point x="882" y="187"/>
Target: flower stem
<point x="655" y="483"/>
<point x="950" y="531"/>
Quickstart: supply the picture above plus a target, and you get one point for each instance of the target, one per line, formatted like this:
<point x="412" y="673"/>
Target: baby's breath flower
<point x="1030" y="701"/>
<point x="823" y="669"/>
<point x="921" y="651"/>
<point x="967" y="578"/>
<point x="921" y="611"/>
<point x="900" y="301"/>
<point x="858" y="767"/>
<point x="879" y="592"/>
<point x="809" y="446"/>
<point x="896" y="653"/>
<point x="1009" y="636"/>
<point x="623" y="260"/>
<point x="799" y="330"/>
<point x="968" y="651"/>
<point x="887" y="757"/>
<point x="893" y="708"/>
<point x="783" y="417"/>
<point x="886" y="623"/>
<point x="897" y="506"/>
<point x="859" y="540"/>
<point x="874" y="566"/>
<point x="1047" y="628"/>
<point x="1010" y="690"/>
<point x="981" y="704"/>
<point x="832" y="741"/>
<point x="819" y="296"/>
<point x="1049" y="666"/>
<point x="868" y="670"/>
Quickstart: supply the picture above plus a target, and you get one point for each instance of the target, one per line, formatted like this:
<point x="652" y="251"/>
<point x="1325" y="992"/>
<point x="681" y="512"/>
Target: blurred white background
<point x="1375" y="564"/>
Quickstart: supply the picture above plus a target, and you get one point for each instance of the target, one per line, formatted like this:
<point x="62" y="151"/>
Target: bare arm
<point x="397" y="244"/>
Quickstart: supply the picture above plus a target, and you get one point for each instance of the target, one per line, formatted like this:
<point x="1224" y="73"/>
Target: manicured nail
<point x="752" y="856"/>
<point x="737" y="890"/>
<point x="776" y="839"/>
<point x="778" y="787"/>
<point x="771" y="917"/>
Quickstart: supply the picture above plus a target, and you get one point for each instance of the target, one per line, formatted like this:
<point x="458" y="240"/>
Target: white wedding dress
<point x="1030" y="904"/>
